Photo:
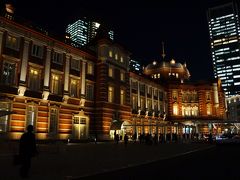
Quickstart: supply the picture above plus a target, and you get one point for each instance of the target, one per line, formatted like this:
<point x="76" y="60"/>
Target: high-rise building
<point x="135" y="66"/>
<point x="224" y="29"/>
<point x="83" y="31"/>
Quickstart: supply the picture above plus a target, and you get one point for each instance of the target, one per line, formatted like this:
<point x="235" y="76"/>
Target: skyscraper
<point x="224" y="29"/>
<point x="83" y="31"/>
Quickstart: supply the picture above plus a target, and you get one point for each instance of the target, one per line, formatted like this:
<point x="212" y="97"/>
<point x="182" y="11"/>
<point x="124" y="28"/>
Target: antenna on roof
<point x="163" y="51"/>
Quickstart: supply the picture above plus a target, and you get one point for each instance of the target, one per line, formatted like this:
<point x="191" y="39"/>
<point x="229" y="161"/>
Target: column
<point x="158" y="101"/>
<point x="83" y="78"/>
<point x="23" y="73"/>
<point x="152" y="98"/>
<point x="1" y="43"/>
<point x="138" y="95"/>
<point x="47" y="74"/>
<point x="24" y="62"/>
<point x="83" y="83"/>
<point x="66" y="75"/>
<point x="146" y="91"/>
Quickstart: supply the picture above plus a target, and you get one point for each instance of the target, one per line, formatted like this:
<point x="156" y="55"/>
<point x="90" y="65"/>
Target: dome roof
<point x="167" y="70"/>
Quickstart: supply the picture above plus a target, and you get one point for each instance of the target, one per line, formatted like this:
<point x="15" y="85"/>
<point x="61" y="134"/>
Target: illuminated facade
<point x="68" y="93"/>
<point x="224" y="28"/>
<point x="83" y="31"/>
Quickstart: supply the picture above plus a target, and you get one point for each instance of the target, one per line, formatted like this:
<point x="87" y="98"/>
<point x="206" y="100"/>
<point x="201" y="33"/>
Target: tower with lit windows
<point x="224" y="29"/>
<point x="83" y="31"/>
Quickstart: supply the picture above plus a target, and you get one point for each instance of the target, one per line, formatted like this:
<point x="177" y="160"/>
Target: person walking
<point x="27" y="149"/>
<point x="126" y="140"/>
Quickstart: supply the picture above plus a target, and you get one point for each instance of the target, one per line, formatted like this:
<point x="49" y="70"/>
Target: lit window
<point x="90" y="68"/>
<point x="74" y="88"/>
<point x="174" y="95"/>
<point x="110" y="71"/>
<point x="53" y="124"/>
<point x="110" y="53"/>
<point x="8" y="73"/>
<point x="122" y="97"/>
<point x="31" y="116"/>
<point x="134" y="102"/>
<point x="4" y="120"/>
<point x="110" y="94"/>
<point x="34" y="79"/>
<point x="37" y="51"/>
<point x="116" y="56"/>
<point x="56" y="86"/>
<point x="121" y="59"/>
<point x="12" y="42"/>
<point x="209" y="109"/>
<point x="175" y="109"/>
<point x="122" y="76"/>
<point x="208" y="97"/>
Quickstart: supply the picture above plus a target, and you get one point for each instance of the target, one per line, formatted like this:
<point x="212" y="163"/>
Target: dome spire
<point x="163" y="51"/>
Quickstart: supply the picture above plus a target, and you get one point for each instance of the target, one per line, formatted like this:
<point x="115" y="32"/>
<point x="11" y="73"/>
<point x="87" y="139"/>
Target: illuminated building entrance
<point x="80" y="126"/>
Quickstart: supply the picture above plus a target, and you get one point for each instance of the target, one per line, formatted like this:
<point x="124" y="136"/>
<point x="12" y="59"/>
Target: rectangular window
<point x="56" y="86"/>
<point x="142" y="104"/>
<point x="37" y="51"/>
<point x="149" y="103"/>
<point x="31" y="116"/>
<point x="208" y="97"/>
<point x="57" y="58"/>
<point x="110" y="94"/>
<point x="121" y="59"/>
<point x="134" y="102"/>
<point x="90" y="92"/>
<point x="174" y="95"/>
<point x="75" y="64"/>
<point x="110" y="71"/>
<point x="12" y="42"/>
<point x="122" y="97"/>
<point x="122" y="76"/>
<point x="116" y="56"/>
<point x="74" y="88"/>
<point x="110" y="53"/>
<point x="4" y="120"/>
<point x="34" y="79"/>
<point x="53" y="125"/>
<point x="8" y="73"/>
<point x="90" y="68"/>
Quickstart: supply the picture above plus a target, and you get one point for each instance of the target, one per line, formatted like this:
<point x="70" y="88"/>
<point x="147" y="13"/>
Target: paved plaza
<point x="68" y="161"/>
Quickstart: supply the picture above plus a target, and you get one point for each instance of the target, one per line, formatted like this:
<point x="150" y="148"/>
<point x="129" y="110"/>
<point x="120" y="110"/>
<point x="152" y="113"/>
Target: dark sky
<point x="140" y="26"/>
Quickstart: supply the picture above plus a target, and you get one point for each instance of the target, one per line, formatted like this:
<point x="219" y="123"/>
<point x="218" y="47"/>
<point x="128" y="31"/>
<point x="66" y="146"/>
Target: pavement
<point x="63" y="161"/>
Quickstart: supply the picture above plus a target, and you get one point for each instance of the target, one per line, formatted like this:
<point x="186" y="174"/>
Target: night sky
<point x="140" y="26"/>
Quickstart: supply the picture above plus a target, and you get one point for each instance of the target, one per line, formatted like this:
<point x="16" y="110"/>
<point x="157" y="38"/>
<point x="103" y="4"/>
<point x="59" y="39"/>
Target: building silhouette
<point x="224" y="29"/>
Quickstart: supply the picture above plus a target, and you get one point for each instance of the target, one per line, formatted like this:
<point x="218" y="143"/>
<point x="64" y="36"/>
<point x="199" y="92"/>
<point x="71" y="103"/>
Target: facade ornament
<point x="65" y="98"/>
<point x="45" y="95"/>
<point x="82" y="102"/>
<point x="21" y="90"/>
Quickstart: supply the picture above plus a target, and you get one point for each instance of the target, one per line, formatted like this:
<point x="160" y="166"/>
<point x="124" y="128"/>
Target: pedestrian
<point x="135" y="137"/>
<point x="125" y="140"/>
<point x="27" y="149"/>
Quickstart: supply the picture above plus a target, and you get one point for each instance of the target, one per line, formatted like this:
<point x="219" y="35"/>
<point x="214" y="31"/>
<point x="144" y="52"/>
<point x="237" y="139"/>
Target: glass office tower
<point x="83" y="31"/>
<point x="224" y="32"/>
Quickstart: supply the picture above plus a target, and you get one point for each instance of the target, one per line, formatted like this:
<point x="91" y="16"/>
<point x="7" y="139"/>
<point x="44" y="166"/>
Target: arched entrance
<point x="126" y="128"/>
